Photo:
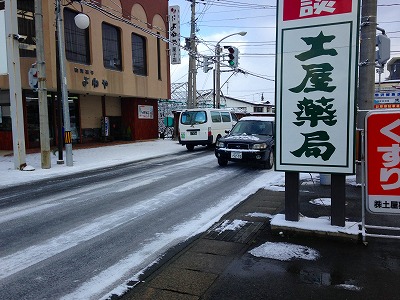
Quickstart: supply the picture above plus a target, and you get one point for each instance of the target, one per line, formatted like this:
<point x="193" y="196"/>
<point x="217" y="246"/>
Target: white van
<point x="203" y="126"/>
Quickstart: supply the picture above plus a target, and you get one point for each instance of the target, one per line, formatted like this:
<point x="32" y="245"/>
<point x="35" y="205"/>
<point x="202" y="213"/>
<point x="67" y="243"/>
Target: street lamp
<point x="82" y="21"/>
<point x="217" y="77"/>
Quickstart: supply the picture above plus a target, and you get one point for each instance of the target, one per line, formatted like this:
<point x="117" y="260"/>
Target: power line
<point x="95" y="5"/>
<point x="388" y="5"/>
<point x="254" y="27"/>
<point x="235" y="19"/>
<point x="236" y="4"/>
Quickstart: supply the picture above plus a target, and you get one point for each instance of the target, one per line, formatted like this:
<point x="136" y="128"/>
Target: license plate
<point x="193" y="133"/>
<point x="236" y="155"/>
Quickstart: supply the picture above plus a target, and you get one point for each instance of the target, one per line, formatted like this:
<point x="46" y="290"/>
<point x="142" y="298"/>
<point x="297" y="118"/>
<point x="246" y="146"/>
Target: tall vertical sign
<point x="316" y="76"/>
<point x="174" y="34"/>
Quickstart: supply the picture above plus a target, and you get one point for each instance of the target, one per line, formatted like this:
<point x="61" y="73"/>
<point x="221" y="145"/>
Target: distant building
<point x="249" y="107"/>
<point x="114" y="69"/>
<point x="387" y="92"/>
<point x="393" y="66"/>
<point x="205" y="99"/>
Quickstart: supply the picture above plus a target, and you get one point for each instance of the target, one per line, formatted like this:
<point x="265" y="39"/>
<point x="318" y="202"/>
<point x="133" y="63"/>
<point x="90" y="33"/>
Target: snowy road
<point x="88" y="236"/>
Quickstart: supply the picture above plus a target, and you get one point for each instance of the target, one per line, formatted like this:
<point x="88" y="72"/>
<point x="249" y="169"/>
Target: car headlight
<point x="220" y="144"/>
<point x="261" y="146"/>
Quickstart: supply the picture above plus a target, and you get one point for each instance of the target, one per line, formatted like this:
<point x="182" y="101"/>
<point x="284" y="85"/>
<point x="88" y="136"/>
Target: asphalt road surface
<point x="86" y="236"/>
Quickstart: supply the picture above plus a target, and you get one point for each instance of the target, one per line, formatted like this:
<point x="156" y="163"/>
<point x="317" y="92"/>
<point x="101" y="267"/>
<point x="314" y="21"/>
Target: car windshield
<point x="193" y="117"/>
<point x="251" y="127"/>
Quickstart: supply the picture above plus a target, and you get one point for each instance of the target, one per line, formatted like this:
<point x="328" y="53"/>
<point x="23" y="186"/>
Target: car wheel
<point x="269" y="163"/>
<point x="190" y="147"/>
<point x="222" y="162"/>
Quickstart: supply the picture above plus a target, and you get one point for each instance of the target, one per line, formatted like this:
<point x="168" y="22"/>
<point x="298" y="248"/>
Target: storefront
<point x="92" y="119"/>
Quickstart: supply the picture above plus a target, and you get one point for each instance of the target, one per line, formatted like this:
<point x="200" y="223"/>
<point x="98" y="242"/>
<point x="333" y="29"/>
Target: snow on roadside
<point x="86" y="159"/>
<point x="260" y="215"/>
<point x="230" y="225"/>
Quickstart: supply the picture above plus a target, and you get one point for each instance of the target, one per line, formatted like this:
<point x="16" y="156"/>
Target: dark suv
<point x="250" y="140"/>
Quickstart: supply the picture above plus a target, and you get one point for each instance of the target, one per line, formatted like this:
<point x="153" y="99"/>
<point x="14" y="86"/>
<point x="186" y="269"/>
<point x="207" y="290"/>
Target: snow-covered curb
<point x="320" y="226"/>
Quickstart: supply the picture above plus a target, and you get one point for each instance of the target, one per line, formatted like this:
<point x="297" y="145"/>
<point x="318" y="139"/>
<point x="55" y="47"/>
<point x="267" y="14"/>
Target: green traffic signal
<point x="233" y="57"/>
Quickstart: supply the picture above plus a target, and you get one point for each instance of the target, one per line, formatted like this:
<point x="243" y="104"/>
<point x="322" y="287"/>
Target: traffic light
<point x="233" y="55"/>
<point x="383" y="53"/>
<point x="207" y="63"/>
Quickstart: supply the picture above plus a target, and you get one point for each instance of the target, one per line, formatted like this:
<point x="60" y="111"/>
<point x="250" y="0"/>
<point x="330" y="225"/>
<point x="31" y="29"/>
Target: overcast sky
<point x="219" y="18"/>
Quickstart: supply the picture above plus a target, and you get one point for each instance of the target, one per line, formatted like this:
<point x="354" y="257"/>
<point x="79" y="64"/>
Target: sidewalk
<point x="225" y="262"/>
<point x="241" y="257"/>
<point x="196" y="268"/>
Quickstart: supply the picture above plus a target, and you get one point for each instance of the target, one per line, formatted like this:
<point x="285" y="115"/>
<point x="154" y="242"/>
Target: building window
<point x="26" y="27"/>
<point x="112" y="55"/>
<point x="5" y="111"/>
<point x="139" y="59"/>
<point x="258" y="109"/>
<point x="77" y="47"/>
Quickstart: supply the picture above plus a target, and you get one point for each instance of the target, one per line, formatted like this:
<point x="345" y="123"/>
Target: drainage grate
<point x="227" y="231"/>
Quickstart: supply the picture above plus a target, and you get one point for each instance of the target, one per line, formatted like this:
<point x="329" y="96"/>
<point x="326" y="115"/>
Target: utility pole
<point x="217" y="74"/>
<point x="64" y="90"/>
<point x="367" y="65"/>
<point x="42" y="90"/>
<point x="191" y="100"/>
<point x="14" y="78"/>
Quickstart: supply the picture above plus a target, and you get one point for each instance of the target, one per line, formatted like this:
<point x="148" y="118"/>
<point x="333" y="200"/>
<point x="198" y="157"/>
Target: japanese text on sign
<point x="383" y="161"/>
<point x="316" y="85"/>
<point x="300" y="9"/>
<point x="145" y="112"/>
<point x="317" y="78"/>
<point x="174" y="34"/>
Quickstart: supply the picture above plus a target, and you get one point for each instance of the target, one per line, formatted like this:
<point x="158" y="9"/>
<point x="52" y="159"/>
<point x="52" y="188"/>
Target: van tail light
<point x="209" y="131"/>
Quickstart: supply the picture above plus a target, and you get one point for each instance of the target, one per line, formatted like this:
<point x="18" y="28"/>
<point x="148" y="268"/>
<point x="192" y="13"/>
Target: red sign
<point x="304" y="9"/>
<point x="383" y="161"/>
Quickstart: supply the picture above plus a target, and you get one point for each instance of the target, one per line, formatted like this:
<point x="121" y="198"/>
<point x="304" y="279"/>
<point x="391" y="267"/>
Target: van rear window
<point x="193" y="117"/>
<point x="226" y="116"/>
<point x="234" y="117"/>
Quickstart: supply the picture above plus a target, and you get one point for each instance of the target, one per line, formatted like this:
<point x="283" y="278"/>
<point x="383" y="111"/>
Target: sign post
<point x="316" y="81"/>
<point x="383" y="161"/>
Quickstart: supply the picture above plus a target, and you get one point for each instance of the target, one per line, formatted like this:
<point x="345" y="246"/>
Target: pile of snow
<point x="317" y="225"/>
<point x="232" y="225"/>
<point x="259" y="215"/>
<point x="321" y="201"/>
<point x="285" y="252"/>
